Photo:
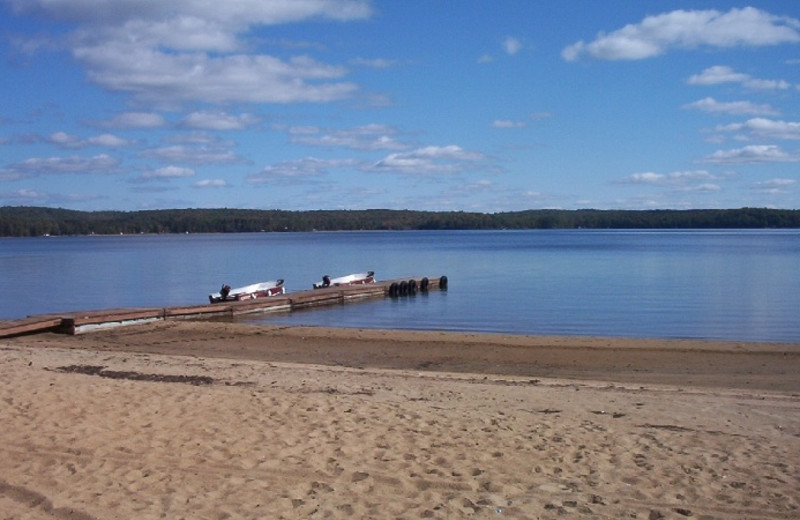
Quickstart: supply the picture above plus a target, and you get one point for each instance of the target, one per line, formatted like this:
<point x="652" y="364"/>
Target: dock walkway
<point x="86" y="321"/>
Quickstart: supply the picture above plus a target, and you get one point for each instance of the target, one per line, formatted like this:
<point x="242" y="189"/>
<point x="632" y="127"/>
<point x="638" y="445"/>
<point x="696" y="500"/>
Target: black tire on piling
<point x="423" y="284"/>
<point x="443" y="282"/>
<point x="403" y="288"/>
<point x="412" y="286"/>
<point x="393" y="290"/>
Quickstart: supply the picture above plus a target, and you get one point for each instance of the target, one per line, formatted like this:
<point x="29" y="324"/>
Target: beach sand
<point x="202" y="420"/>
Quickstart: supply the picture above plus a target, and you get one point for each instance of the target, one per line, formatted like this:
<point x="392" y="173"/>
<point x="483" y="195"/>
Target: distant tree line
<point x="23" y="221"/>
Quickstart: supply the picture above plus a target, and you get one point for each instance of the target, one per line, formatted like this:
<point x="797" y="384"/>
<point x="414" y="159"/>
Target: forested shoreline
<point x="26" y="221"/>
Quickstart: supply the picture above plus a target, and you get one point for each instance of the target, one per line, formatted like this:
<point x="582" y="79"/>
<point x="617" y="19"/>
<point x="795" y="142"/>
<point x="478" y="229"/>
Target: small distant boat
<point x="350" y="279"/>
<point x="248" y="292"/>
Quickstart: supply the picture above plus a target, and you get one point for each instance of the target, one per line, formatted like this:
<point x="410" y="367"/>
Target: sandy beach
<point x="201" y="420"/>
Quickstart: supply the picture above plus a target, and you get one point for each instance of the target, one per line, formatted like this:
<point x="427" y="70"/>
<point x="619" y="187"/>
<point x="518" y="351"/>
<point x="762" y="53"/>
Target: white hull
<point x="248" y="292"/>
<point x="350" y="279"/>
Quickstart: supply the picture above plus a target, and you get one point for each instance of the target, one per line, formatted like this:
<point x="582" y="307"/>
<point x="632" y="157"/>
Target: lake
<point x="706" y="284"/>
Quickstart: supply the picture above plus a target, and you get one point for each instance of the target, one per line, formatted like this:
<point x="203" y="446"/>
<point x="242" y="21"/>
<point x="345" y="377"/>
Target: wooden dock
<point x="87" y="321"/>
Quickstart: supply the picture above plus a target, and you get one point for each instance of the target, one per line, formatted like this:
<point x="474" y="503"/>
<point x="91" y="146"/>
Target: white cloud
<point x="167" y="53"/>
<point x="192" y="154"/>
<point x="217" y="120"/>
<point x="481" y="185"/>
<point x="9" y="175"/>
<point x="775" y="186"/>
<point x="236" y="13"/>
<point x="655" y="35"/>
<point x="647" y="178"/>
<point x="679" y="178"/>
<point x="98" y="164"/>
<point x="723" y="74"/>
<point x="717" y="74"/>
<point x="705" y="187"/>
<point x="767" y="84"/>
<point x="713" y="106"/>
<point x="211" y="183"/>
<point x="64" y="140"/>
<point x="367" y="137"/>
<point x="163" y="78"/>
<point x="750" y="154"/>
<point x="107" y="140"/>
<point x="304" y="130"/>
<point x="169" y="172"/>
<point x="137" y="120"/>
<point x="375" y="63"/>
<point x="430" y="159"/>
<point x="300" y="170"/>
<point x="765" y="128"/>
<point x="506" y="123"/>
<point x="541" y="115"/>
<point x="197" y="137"/>
<point x="512" y="45"/>
<point x="26" y="195"/>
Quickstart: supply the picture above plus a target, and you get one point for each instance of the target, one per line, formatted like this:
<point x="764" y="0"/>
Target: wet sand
<point x="221" y="420"/>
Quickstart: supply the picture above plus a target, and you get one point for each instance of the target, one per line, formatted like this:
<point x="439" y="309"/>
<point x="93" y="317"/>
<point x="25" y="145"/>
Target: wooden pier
<point x="87" y="321"/>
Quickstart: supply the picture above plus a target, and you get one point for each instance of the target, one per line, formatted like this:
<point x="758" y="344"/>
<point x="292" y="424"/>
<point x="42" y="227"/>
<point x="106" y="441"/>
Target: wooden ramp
<point x="87" y="321"/>
<point x="30" y="325"/>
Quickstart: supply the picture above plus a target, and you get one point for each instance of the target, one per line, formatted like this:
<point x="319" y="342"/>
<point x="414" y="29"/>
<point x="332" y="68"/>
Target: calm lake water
<point x="741" y="285"/>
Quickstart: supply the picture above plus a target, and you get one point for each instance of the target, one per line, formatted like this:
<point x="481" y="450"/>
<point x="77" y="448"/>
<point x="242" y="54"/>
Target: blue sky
<point x="474" y="105"/>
